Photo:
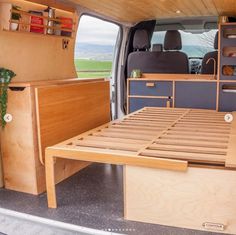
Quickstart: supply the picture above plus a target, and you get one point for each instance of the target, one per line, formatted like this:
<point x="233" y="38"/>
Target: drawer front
<point x="227" y="99"/>
<point x="200" y="95"/>
<point x="151" y="88"/>
<point x="138" y="103"/>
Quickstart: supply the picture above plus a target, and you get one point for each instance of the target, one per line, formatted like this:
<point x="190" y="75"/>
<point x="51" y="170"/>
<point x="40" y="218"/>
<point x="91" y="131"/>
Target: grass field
<point x="93" y="65"/>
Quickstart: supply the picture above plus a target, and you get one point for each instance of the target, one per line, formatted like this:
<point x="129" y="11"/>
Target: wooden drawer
<point x="227" y="99"/>
<point x="138" y="103"/>
<point x="150" y="88"/>
<point x="195" y="95"/>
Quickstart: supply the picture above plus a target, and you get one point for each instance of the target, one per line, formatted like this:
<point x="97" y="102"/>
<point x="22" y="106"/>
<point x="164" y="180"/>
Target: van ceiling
<point x="193" y="24"/>
<point x="134" y="11"/>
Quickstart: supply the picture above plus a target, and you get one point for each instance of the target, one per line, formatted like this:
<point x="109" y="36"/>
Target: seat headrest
<point x="157" y="47"/>
<point x="216" y="41"/>
<point x="172" y="40"/>
<point x="141" y="40"/>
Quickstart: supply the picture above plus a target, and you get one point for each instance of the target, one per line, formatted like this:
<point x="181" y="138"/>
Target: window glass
<point x="95" y="43"/>
<point x="194" y="44"/>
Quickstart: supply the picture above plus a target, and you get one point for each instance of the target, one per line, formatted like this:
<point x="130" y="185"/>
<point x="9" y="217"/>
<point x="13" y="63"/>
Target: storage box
<point x="201" y="198"/>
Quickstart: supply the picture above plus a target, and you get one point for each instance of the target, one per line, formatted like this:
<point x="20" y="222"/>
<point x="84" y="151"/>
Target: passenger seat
<point x="142" y="58"/>
<point x="172" y="59"/>
<point x="207" y="62"/>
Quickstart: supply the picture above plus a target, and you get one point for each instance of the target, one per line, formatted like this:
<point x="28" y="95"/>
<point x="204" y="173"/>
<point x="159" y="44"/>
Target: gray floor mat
<point x="92" y="198"/>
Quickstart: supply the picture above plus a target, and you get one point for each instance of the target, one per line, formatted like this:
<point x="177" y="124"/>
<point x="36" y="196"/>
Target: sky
<point x="189" y="38"/>
<point x="96" y="31"/>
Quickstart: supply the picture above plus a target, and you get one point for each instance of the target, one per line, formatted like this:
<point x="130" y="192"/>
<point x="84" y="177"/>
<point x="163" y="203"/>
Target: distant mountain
<point x="93" y="51"/>
<point x="105" y="52"/>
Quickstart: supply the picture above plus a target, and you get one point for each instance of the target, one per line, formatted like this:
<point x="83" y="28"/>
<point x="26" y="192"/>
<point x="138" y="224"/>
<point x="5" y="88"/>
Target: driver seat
<point x="208" y="59"/>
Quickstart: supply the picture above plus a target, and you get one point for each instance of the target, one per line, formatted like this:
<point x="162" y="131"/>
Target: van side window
<point x="94" y="49"/>
<point x="195" y="43"/>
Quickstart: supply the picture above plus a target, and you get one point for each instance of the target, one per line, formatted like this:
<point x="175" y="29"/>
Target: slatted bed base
<point x="159" y="139"/>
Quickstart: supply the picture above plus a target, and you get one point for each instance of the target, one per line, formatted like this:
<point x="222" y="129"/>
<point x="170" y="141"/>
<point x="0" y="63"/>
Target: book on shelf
<point x="66" y="23"/>
<point x="36" y="20"/>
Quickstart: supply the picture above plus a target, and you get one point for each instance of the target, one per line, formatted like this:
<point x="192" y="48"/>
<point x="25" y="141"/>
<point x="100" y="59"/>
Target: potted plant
<point x="15" y="16"/>
<point x="5" y="78"/>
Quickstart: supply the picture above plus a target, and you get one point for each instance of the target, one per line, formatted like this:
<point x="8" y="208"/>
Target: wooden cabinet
<point x="45" y="113"/>
<point x="228" y="51"/>
<point x="227" y="74"/>
<point x="168" y="90"/>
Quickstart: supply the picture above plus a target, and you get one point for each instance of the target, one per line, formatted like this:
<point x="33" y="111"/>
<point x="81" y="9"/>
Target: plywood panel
<point x="18" y="147"/>
<point x="181" y="199"/>
<point x="66" y="110"/>
<point x="135" y="11"/>
<point x="36" y="57"/>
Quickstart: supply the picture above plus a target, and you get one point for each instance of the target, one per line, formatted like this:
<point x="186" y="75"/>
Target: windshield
<point x="193" y="44"/>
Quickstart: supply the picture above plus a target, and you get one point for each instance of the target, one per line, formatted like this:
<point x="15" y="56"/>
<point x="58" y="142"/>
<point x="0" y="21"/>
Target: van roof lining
<point x="187" y="24"/>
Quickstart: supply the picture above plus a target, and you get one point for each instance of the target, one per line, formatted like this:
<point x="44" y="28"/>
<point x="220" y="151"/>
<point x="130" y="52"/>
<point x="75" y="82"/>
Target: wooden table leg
<point x="50" y="181"/>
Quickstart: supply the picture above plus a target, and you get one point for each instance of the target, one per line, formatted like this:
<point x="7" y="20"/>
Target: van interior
<point x="118" y="117"/>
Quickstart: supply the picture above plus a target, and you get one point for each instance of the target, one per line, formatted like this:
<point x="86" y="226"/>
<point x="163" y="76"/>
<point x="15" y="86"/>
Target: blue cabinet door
<point x="138" y="103"/>
<point x="159" y="88"/>
<point x="200" y="95"/>
<point x="227" y="98"/>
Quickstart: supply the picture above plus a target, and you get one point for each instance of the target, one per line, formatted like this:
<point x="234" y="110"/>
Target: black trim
<point x="150" y="27"/>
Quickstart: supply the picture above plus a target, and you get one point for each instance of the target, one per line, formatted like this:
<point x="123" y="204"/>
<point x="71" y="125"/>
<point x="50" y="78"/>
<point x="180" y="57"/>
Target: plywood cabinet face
<point x="182" y="199"/>
<point x="18" y="143"/>
<point x="43" y="116"/>
<point x="65" y="111"/>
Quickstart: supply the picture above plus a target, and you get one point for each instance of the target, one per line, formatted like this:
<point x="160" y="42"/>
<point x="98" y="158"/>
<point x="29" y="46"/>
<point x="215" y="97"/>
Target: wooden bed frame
<point x="168" y="139"/>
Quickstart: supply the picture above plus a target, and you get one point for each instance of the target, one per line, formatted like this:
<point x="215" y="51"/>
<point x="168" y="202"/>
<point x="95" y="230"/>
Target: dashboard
<point x="195" y="65"/>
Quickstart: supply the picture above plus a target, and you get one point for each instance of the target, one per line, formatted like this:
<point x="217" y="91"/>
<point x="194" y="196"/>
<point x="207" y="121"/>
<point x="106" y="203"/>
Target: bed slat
<point x="199" y="137"/>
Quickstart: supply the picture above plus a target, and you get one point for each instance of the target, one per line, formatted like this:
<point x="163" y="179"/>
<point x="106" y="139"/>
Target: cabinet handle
<point x="150" y="84"/>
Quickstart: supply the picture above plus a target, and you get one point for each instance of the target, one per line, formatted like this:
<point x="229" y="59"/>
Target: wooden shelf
<point x="26" y="24"/>
<point x="37" y="34"/>
<point x="177" y="77"/>
<point x="41" y="26"/>
<point x="42" y="17"/>
<point x="227" y="51"/>
<point x="55" y="82"/>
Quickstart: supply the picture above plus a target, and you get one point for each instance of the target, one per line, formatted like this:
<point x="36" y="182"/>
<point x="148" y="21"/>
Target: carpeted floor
<point x="92" y="198"/>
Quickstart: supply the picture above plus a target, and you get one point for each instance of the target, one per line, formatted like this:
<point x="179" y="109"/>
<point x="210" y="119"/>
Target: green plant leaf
<point x="6" y="76"/>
